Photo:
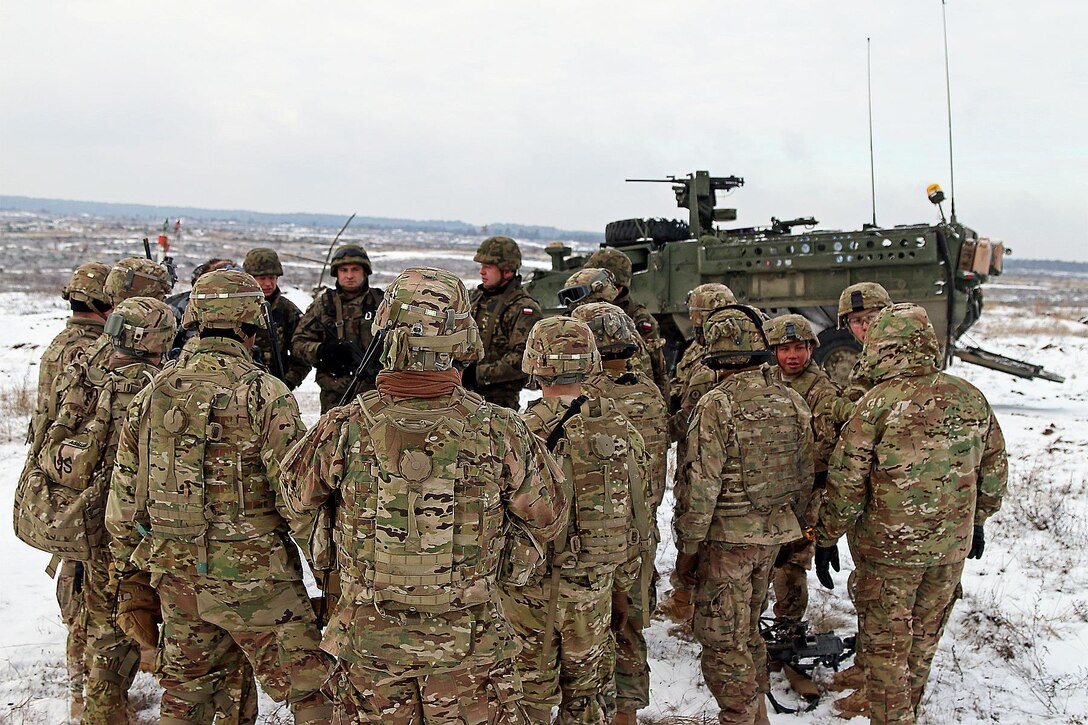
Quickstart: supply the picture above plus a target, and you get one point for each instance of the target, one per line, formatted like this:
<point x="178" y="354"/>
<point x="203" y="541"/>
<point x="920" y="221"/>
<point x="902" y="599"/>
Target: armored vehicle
<point x="780" y="269"/>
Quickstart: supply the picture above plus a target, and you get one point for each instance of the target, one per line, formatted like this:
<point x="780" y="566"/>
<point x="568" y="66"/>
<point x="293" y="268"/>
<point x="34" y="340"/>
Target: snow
<point x="1015" y="648"/>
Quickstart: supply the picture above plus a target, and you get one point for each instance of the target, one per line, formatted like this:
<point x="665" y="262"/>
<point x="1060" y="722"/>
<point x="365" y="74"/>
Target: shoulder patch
<point x="645" y="326"/>
<point x="528" y="311"/>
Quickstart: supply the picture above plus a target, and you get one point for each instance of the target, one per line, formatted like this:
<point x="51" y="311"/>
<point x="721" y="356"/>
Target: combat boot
<point x="677" y="607"/>
<point x="856" y="704"/>
<point x="625" y="718"/>
<point x="852" y="678"/>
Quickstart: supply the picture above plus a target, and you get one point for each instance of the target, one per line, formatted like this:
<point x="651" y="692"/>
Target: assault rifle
<point x="273" y="340"/>
<point x="790" y="644"/>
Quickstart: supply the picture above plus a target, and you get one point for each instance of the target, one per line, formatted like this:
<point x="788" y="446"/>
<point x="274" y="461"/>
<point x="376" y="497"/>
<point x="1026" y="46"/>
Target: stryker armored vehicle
<point x="940" y="266"/>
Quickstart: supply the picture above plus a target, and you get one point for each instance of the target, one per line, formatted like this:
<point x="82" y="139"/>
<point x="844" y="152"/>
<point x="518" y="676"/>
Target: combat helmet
<point x="350" y="254"/>
<point x="226" y="299"/>
<point x="560" y="350"/>
<point x="734" y="337"/>
<point x="88" y="285"/>
<point x="615" y="261"/>
<point x="706" y="298"/>
<point x="613" y="329"/>
<point x="262" y="261"/>
<point x="138" y="277"/>
<point x="589" y="284"/>
<point x="789" y="328"/>
<point x="141" y="326"/>
<point x="503" y="252"/>
<point x="426" y="322"/>
<point x="860" y="297"/>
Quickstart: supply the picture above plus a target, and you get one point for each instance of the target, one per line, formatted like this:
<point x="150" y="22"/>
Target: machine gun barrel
<point x="1011" y="366"/>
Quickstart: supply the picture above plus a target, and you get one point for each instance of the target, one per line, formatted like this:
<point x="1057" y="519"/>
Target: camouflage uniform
<point x="285" y="316"/>
<point x="619" y="264"/>
<point x="335" y="331"/>
<point x="790" y="577"/>
<point x="749" y="458"/>
<point x="919" y="469"/>
<point x="425" y="479"/>
<point x="701" y="301"/>
<point x="639" y="400"/>
<point x="504" y="315"/>
<point x="195" y="500"/>
<point x="180" y="301"/>
<point x="859" y="297"/>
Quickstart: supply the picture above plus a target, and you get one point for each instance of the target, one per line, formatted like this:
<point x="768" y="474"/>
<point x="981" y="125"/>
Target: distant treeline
<point x="108" y="210"/>
<point x="1015" y="265"/>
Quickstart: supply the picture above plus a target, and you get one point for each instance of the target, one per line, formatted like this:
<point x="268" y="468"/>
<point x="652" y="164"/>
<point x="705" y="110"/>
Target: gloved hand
<point x="978" y="544"/>
<point x="337" y="358"/>
<point x="685" y="567"/>
<point x="827" y="556"/>
<point x="621" y="607"/>
<point x="138" y="609"/>
<point x="468" y="376"/>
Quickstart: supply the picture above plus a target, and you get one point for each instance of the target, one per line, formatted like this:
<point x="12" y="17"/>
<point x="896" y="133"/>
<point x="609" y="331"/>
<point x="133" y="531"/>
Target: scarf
<point x="429" y="384"/>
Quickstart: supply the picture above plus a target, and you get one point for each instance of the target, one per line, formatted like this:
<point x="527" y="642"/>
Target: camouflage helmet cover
<point x="615" y="261"/>
<point x="734" y="336"/>
<point x="860" y="297"/>
<point x="706" y="298"/>
<point x="137" y="277"/>
<point x="789" y="328"/>
<point x="613" y="329"/>
<point x="141" y="326"/>
<point x="560" y="350"/>
<point x="427" y="320"/>
<point x="589" y="284"/>
<point x="900" y="340"/>
<point x="225" y="298"/>
<point x="350" y="254"/>
<point x="262" y="261"/>
<point x="503" y="252"/>
<point x="88" y="285"/>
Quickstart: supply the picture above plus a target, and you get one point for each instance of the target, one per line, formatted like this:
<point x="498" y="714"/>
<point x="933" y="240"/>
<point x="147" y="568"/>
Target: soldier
<point x="563" y="620"/>
<point x="426" y="479"/>
<point x="90" y="304"/>
<point x="619" y="264"/>
<point x="792" y="341"/>
<point x="180" y="301"/>
<point x="195" y="499"/>
<point x="335" y="331"/>
<point x="920" y="467"/>
<point x="138" y="277"/>
<point x="749" y="458"/>
<point x="505" y="313"/>
<point x="859" y="305"/>
<point x="264" y="266"/>
<point x="702" y="300"/>
<point x="635" y="395"/>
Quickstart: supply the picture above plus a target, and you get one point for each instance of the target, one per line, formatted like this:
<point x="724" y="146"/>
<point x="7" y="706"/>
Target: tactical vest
<point x="204" y="476"/>
<point x="764" y="461"/>
<point x="421" y="525"/>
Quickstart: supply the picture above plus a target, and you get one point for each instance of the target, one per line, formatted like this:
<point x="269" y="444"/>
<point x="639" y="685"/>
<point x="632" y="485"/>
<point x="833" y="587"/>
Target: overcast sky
<point x="534" y="113"/>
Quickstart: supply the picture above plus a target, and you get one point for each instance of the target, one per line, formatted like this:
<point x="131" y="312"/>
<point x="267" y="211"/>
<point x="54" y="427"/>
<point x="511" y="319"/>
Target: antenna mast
<point x="869" y="81"/>
<point x="948" y="98"/>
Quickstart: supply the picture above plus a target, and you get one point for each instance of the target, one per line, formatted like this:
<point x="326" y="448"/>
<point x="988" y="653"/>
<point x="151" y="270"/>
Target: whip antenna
<point x="869" y="82"/>
<point x="948" y="98"/>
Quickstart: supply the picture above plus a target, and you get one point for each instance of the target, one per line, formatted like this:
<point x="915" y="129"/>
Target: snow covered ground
<point x="1015" y="650"/>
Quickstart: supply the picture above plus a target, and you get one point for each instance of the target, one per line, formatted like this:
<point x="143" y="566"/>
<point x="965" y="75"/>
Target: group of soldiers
<point x="478" y="565"/>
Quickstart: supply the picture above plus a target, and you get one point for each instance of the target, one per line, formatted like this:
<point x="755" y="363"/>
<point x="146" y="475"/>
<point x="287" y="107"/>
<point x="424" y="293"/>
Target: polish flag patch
<point x="528" y="311"/>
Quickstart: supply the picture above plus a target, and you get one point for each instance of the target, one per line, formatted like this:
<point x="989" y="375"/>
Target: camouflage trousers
<point x="70" y="599"/>
<point x="729" y="596"/>
<point x="473" y="695"/>
<point x="205" y="619"/>
<point x="575" y="671"/>
<point x="632" y="679"/>
<point x="790" y="579"/>
<point x="902" y="612"/>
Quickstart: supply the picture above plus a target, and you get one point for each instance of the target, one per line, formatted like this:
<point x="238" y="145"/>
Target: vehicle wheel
<point x="836" y="354"/>
<point x="660" y="231"/>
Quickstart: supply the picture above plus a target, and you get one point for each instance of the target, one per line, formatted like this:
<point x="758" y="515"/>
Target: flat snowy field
<point x="1014" y="652"/>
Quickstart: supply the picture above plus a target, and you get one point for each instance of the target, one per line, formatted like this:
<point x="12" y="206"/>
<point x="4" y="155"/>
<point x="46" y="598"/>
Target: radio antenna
<point x="869" y="82"/>
<point x="948" y="98"/>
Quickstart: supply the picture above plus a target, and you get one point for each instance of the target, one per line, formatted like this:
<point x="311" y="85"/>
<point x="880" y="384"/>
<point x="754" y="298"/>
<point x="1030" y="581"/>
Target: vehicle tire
<point x="836" y="354"/>
<point x="626" y="231"/>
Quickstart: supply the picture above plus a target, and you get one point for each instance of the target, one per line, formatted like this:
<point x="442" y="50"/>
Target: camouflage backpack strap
<point x="338" y="314"/>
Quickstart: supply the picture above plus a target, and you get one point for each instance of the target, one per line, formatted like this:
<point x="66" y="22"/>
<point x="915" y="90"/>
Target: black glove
<point x="978" y="544"/>
<point x="468" y="377"/>
<point x="337" y="358"/>
<point x="827" y="556"/>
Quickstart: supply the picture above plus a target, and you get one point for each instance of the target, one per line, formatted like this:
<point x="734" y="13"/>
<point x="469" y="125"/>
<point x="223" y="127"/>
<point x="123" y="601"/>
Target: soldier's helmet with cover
<point x="615" y="261"/>
<point x="613" y="329"/>
<point x="138" y="277"/>
<point x="900" y="340"/>
<point x="589" y="284"/>
<point x="560" y="350"/>
<point x="734" y="337"/>
<point x="88" y="285"/>
<point x="706" y="298"/>
<point x="141" y="326"/>
<point x="860" y="297"/>
<point x="425" y="321"/>
<point x="350" y="254"/>
<point x="262" y="261"/>
<point x="225" y="299"/>
<point x="503" y="252"/>
<point x="789" y="328"/>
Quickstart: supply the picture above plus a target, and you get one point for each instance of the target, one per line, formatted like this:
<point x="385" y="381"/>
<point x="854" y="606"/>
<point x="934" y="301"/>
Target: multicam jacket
<point x="190" y="503"/>
<point x="820" y="393"/>
<point x="387" y="465"/>
<point x="285" y="316"/>
<point x="78" y="335"/>
<point x="504" y="317"/>
<point x="336" y="315"/>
